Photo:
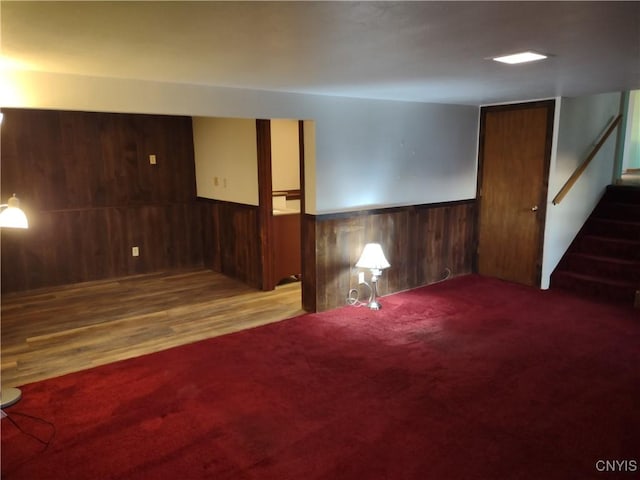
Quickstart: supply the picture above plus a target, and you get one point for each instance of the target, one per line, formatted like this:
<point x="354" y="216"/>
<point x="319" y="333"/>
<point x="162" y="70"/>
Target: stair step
<point x="618" y="211"/>
<point x="613" y="228"/>
<point x="607" y="246"/>
<point x="622" y="193"/>
<point x="598" y="266"/>
<point x="595" y="287"/>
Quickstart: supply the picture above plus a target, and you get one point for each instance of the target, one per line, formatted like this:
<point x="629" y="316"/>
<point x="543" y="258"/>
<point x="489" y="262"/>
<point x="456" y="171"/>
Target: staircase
<point x="604" y="259"/>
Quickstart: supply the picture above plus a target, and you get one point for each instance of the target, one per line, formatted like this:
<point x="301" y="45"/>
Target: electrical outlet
<point x="215" y="181"/>
<point x="360" y="277"/>
<point x="135" y="252"/>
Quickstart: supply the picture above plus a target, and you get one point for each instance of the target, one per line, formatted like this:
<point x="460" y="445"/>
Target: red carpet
<point x="472" y="378"/>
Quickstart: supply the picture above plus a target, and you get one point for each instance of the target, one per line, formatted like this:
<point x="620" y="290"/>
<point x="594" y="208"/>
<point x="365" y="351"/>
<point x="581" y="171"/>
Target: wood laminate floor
<point x="51" y="332"/>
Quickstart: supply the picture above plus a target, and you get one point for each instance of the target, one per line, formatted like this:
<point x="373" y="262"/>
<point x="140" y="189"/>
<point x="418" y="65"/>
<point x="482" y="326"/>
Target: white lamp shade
<point x="373" y="257"/>
<point x="12" y="216"/>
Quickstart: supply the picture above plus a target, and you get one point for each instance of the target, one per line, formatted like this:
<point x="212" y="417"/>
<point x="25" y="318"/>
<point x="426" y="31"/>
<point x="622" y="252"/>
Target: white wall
<point x="631" y="157"/>
<point x="285" y="155"/>
<point x="385" y="153"/>
<point x="580" y="122"/>
<point x="226" y="159"/>
<point x="368" y="153"/>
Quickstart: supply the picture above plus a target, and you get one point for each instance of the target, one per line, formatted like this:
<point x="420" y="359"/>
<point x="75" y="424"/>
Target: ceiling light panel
<point x="521" y="57"/>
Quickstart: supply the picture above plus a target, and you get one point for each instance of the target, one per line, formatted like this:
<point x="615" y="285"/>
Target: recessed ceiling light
<point x="521" y="57"/>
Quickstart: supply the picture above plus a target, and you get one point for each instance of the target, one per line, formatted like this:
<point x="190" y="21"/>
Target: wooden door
<point x="515" y="148"/>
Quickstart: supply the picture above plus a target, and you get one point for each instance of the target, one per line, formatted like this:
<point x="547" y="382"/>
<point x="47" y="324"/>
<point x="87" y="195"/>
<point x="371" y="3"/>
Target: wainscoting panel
<point x="445" y="242"/>
<point x="308" y="257"/>
<point x="424" y="244"/>
<point x="70" y="246"/>
<point x="232" y="240"/>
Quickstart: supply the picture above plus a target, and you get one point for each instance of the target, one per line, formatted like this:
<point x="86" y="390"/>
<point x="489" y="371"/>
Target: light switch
<point x="152" y="159"/>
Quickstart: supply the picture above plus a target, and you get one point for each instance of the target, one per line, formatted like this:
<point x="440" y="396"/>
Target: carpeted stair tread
<point x="613" y="228"/>
<point x="629" y="212"/>
<point x="615" y="221"/>
<point x="622" y="193"/>
<point x="595" y="287"/>
<point x="593" y="278"/>
<point x="608" y="246"/>
<point x="602" y="266"/>
<point x="609" y="239"/>
<point x="591" y="256"/>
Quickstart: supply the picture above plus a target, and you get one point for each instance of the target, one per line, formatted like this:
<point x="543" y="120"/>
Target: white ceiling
<point x="411" y="51"/>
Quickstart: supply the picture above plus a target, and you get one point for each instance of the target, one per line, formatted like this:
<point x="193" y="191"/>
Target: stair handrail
<point x="581" y="168"/>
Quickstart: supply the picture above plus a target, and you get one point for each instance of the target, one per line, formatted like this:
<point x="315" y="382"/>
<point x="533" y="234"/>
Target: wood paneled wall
<point x="232" y="240"/>
<point x="90" y="192"/>
<point x="424" y="244"/>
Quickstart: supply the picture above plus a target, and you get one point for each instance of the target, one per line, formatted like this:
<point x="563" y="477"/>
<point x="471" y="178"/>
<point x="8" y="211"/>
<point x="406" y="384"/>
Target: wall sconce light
<point x="12" y="216"/>
<point x="373" y="258"/>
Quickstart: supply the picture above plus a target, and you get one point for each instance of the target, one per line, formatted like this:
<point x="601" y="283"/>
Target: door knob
<point x="534" y="208"/>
